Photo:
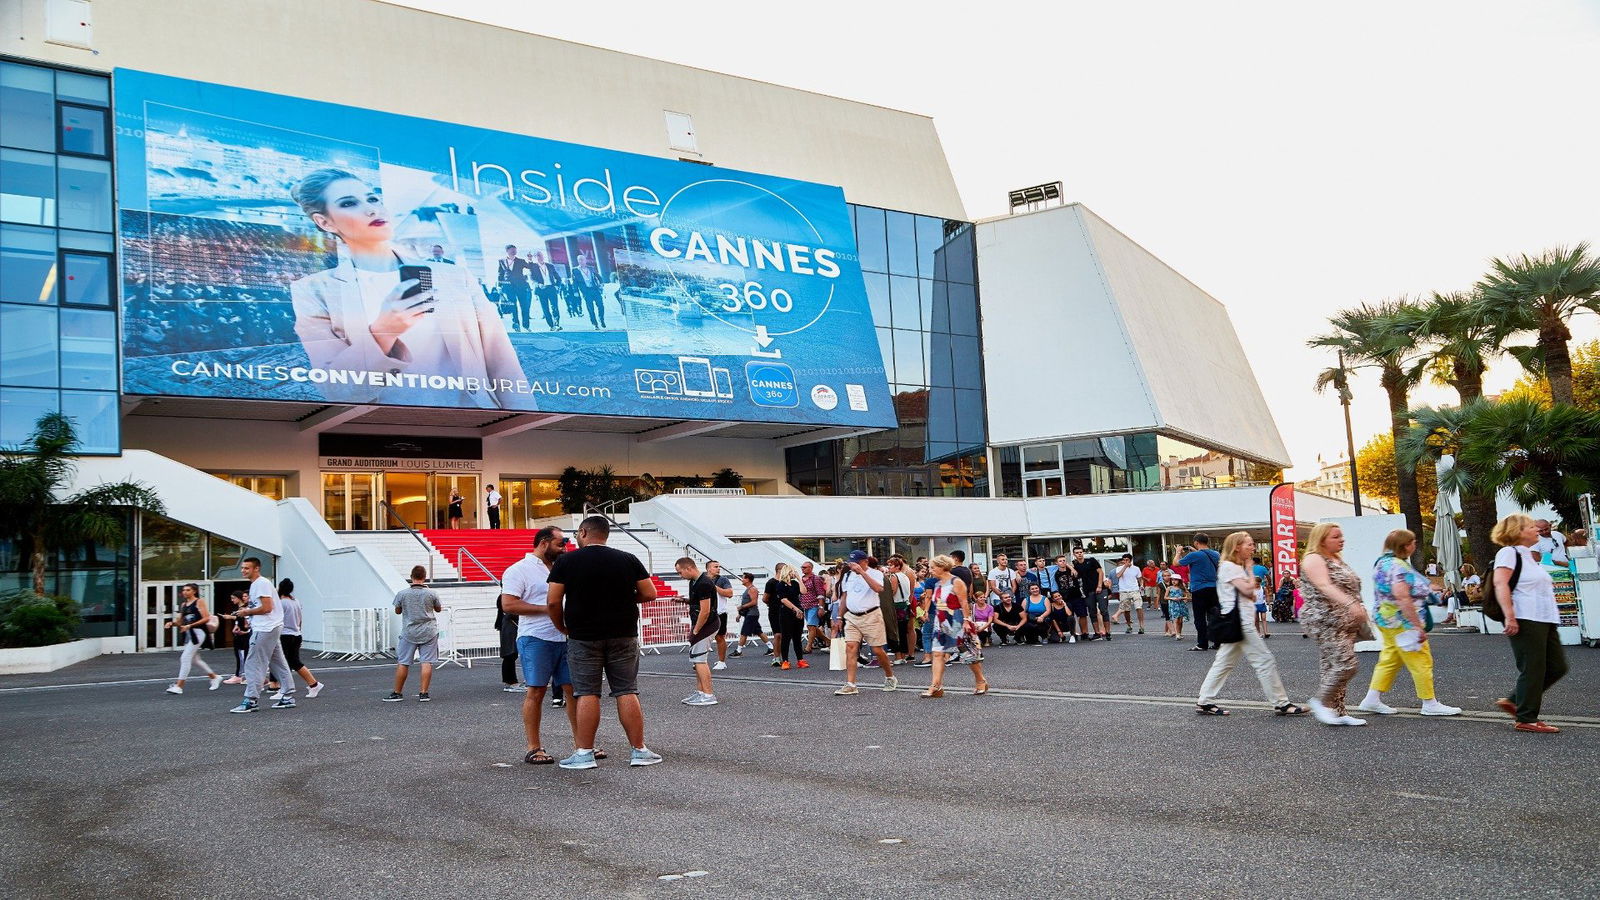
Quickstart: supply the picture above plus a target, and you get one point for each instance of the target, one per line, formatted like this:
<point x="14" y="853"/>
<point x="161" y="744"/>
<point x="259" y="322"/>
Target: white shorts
<point x="1129" y="600"/>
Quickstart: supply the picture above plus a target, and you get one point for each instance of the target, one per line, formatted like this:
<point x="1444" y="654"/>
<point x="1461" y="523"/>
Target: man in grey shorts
<point x="419" y="634"/>
<point x="594" y="596"/>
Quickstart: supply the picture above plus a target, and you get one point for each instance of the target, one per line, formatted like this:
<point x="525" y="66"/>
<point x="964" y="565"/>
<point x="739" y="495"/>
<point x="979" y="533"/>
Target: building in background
<point x="1042" y="367"/>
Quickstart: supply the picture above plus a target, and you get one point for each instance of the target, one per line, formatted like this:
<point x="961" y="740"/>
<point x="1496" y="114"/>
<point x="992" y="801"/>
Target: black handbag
<point x="1225" y="628"/>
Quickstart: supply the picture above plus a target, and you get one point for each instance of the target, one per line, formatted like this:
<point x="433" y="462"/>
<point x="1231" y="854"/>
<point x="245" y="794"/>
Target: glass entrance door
<point x="467" y="487"/>
<point x="347" y="501"/>
<point x="407" y="493"/>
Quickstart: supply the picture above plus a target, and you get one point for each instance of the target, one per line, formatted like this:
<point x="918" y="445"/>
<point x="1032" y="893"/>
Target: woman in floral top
<point x="1332" y="614"/>
<point x="1401" y="591"/>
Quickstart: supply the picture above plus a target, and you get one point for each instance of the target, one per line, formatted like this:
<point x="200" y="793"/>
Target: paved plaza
<point x="1084" y="774"/>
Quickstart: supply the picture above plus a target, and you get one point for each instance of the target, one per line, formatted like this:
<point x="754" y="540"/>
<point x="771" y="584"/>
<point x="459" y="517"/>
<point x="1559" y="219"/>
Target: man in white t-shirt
<point x="266" y="646"/>
<point x="541" y="647"/>
<point x="492" y="495"/>
<point x="861" y="619"/>
<point x="1000" y="576"/>
<point x="1130" y="596"/>
<point x="1551" y="546"/>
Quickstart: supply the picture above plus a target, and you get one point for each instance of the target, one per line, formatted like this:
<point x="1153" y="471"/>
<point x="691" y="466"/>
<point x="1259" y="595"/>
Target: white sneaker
<point x="891" y="683"/>
<point x="719" y="666"/>
<point x="277" y="696"/>
<point x="314" y="690"/>
<point x="1350" y="720"/>
<point x="1381" y="708"/>
<point x="701" y="699"/>
<point x="847" y="690"/>
<point x="1435" y="708"/>
<point x="174" y="689"/>
<point x="216" y="682"/>
<point x="1322" y="713"/>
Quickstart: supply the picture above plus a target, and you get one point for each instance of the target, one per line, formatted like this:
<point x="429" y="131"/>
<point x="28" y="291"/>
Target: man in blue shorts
<point x="542" y="649"/>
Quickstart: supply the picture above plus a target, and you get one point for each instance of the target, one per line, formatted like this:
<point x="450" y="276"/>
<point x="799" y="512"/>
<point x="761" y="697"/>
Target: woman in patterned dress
<point x="1333" y="615"/>
<point x="949" y="611"/>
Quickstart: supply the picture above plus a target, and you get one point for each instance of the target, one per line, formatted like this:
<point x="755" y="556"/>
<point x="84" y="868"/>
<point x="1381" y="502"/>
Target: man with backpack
<point x="1202" y="563"/>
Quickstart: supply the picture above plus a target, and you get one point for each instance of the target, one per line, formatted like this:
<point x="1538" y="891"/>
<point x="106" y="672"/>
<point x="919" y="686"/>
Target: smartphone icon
<point x="422" y="275"/>
<point x="724" y="383"/>
<point x="697" y="380"/>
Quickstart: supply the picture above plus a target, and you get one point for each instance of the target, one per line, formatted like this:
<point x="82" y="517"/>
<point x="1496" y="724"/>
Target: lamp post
<point x="1349" y="435"/>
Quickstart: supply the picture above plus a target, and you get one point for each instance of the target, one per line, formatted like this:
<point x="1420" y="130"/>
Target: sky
<point x="1290" y="159"/>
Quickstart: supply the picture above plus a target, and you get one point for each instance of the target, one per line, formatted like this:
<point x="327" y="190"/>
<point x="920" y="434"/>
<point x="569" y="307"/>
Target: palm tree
<point x="32" y="475"/>
<point x="1382" y="336"/>
<point x="1538" y="454"/>
<point x="1460" y="340"/>
<point x="1540" y="293"/>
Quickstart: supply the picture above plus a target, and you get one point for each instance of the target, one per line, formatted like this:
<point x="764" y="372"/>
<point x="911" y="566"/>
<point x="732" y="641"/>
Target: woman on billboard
<point x="379" y="314"/>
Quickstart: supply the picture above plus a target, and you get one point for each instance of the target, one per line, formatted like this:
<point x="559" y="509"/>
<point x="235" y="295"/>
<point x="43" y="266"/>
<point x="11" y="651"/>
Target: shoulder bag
<point x="1225" y="627"/>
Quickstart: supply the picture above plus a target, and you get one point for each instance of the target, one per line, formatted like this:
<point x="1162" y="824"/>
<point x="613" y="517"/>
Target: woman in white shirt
<point x="1532" y="621"/>
<point x="1236" y="591"/>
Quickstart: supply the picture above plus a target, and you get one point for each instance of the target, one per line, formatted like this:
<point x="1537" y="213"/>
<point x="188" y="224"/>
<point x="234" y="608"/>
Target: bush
<point x="34" y="620"/>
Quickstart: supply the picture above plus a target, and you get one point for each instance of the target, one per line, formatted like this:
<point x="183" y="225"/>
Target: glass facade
<point x="58" y="309"/>
<point x="1129" y="462"/>
<point x="98" y="576"/>
<point x="921" y="279"/>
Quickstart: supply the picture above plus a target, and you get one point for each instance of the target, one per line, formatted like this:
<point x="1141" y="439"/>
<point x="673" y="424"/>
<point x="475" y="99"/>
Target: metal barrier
<point x="663" y="623"/>
<point x="467" y="634"/>
<point x="349" y="634"/>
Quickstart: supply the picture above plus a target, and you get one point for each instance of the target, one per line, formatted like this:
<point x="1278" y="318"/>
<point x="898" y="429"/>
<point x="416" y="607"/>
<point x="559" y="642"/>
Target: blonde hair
<point x="783" y="572"/>
<point x="1319" y="534"/>
<point x="1508" y="531"/>
<point x="943" y="561"/>
<point x="1398" y="540"/>
<point x="1232" y="543"/>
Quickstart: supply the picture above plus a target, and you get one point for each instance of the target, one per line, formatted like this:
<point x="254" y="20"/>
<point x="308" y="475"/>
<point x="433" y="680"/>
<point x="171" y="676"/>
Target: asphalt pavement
<point x="1085" y="773"/>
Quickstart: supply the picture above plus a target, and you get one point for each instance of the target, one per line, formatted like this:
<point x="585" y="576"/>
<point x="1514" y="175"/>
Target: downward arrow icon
<point x="762" y="338"/>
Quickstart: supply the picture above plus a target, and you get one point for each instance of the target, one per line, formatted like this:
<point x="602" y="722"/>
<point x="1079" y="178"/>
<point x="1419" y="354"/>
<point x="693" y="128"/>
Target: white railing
<point x="713" y="492"/>
<point x="357" y="633"/>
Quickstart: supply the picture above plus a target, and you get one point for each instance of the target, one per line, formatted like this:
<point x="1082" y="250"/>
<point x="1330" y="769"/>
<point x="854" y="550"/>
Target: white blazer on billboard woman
<point x="463" y="337"/>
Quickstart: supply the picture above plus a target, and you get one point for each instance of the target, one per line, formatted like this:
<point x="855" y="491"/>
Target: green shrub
<point x="34" y="620"/>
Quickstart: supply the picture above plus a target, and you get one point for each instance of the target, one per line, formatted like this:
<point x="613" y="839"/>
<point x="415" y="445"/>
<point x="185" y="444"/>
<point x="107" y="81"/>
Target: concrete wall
<point x="383" y="57"/>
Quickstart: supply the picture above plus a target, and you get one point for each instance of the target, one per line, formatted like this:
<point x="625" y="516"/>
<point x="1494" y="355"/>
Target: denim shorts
<point x="543" y="662"/>
<point x="814" y="617"/>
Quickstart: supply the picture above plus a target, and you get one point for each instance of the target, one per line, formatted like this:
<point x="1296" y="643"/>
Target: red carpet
<point x="497" y="549"/>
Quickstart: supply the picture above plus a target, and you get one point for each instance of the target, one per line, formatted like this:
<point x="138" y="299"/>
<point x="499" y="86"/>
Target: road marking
<point x="94" y="684"/>
<point x="1410" y="796"/>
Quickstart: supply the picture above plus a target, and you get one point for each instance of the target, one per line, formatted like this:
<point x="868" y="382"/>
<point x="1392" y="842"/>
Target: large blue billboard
<point x="287" y="249"/>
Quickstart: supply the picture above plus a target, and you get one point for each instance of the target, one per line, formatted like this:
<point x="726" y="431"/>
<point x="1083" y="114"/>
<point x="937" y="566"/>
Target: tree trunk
<point x="36" y="560"/>
<point x="1405" y="476"/>
<point x="1478" y="518"/>
<point x="1553" y="337"/>
<point x="1469" y="382"/>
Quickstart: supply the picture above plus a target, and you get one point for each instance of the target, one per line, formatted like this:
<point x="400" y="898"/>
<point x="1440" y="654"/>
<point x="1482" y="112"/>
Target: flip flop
<point x="538" y="757"/>
<point x="1211" y="709"/>
<point x="599" y="754"/>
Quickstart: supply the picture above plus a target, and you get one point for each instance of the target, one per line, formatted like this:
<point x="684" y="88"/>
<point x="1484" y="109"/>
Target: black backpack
<point x="1491" y="604"/>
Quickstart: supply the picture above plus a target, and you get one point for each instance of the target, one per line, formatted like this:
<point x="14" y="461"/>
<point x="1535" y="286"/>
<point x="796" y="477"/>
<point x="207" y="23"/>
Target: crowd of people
<point x="574" y="614"/>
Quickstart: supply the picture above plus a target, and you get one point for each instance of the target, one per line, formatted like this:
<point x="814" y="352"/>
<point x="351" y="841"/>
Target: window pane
<point x="905" y="303"/>
<point x="963" y="308"/>
<point x="965" y="351"/>
<point x="1041" y="458"/>
<point x="969" y="418"/>
<point x="83" y="130"/>
<point x="88" y="349"/>
<point x="20" y="409"/>
<point x="871" y="244"/>
<point x="85" y="194"/>
<point x="85" y="240"/>
<point x="878" y="297"/>
<point x="27" y="107"/>
<point x="27" y="265"/>
<point x="930" y="237"/>
<point x="941" y="369"/>
<point x="958" y="261"/>
<point x="88" y="279"/>
<point x="94" y="415"/>
<point x="94" y="89"/>
<point x="902" y="231"/>
<point x="908" y="362"/>
<point x="28" y="345"/>
<point x="932" y="297"/>
<point x="171" y="551"/>
<point x="886" y="347"/>
<point x="27" y="187"/>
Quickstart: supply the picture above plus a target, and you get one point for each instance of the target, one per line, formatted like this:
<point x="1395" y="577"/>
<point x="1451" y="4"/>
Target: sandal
<point x="599" y="754"/>
<point x="933" y="692"/>
<point x="980" y="690"/>
<point x="1210" y="709"/>
<point x="1289" y="709"/>
<point x="537" y="757"/>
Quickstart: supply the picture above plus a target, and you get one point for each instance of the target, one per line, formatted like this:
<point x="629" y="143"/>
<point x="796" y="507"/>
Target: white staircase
<point x="402" y="552"/>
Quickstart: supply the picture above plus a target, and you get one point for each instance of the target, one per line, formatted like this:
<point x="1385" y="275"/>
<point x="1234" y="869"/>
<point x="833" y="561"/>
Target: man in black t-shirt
<point x="594" y="598"/>
<point x="702" y="600"/>
<point x="1071" y="590"/>
<point x="961" y="571"/>
<point x="1092" y="581"/>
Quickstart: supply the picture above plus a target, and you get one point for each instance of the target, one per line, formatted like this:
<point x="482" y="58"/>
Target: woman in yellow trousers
<point x="1400" y="591"/>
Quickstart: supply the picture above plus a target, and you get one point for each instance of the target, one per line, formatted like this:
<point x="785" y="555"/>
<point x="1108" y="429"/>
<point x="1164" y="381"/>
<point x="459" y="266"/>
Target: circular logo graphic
<point x="824" y="397"/>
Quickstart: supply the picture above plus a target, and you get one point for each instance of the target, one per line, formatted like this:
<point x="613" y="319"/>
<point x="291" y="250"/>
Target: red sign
<point x="1281" y="518"/>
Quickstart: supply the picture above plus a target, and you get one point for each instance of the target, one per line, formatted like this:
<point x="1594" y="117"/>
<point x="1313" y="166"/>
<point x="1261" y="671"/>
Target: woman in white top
<point x="1236" y="591"/>
<point x="446" y="344"/>
<point x="1532" y="620"/>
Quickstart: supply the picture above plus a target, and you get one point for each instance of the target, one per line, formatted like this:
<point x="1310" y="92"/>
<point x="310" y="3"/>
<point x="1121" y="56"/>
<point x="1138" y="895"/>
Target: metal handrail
<point x="610" y="506"/>
<point x="462" y="551"/>
<point x="426" y="547"/>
